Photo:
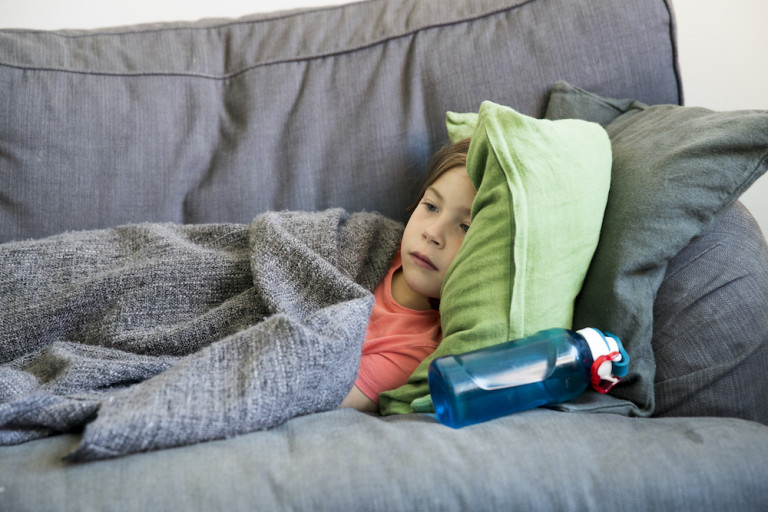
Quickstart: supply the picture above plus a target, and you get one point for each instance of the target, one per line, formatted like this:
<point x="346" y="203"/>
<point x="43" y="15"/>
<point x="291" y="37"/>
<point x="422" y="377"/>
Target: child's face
<point x="435" y="231"/>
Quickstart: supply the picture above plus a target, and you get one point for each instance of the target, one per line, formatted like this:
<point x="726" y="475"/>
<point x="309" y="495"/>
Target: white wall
<point x="722" y="44"/>
<point x="722" y="50"/>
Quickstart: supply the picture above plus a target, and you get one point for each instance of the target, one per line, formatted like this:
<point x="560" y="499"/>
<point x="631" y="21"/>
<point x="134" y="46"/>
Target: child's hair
<point x="448" y="157"/>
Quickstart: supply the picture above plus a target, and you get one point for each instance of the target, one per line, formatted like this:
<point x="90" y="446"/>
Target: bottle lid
<point x="611" y="361"/>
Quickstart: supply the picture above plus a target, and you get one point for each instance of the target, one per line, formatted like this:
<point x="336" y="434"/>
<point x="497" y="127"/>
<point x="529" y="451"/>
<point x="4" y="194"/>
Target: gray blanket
<point x="158" y="335"/>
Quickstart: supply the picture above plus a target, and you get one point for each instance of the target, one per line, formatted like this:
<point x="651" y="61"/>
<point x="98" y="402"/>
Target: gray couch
<point x="220" y="120"/>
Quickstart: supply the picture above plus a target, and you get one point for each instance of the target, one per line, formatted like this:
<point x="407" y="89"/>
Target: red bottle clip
<point x="604" y="381"/>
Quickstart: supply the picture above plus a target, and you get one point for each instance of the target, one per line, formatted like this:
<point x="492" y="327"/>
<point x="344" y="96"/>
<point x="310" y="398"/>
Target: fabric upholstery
<point x="219" y="120"/>
<point x="710" y="324"/>
<point x="345" y="460"/>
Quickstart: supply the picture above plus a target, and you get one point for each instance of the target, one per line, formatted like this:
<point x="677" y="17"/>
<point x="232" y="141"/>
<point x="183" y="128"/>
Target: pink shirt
<point x="397" y="340"/>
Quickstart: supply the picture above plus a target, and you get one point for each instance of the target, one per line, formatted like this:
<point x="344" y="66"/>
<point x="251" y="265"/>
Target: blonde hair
<point x="448" y="157"/>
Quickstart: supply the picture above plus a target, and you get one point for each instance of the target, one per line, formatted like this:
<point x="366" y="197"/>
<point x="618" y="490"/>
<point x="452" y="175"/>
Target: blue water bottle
<point x="551" y="366"/>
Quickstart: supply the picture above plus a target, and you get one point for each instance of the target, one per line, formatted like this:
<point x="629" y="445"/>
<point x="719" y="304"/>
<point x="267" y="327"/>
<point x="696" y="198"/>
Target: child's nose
<point x="433" y="233"/>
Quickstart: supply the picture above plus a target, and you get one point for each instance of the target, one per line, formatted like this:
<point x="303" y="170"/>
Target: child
<point x="404" y="327"/>
<point x="161" y="326"/>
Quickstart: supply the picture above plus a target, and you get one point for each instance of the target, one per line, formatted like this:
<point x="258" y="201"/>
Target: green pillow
<point x="541" y="187"/>
<point x="675" y="170"/>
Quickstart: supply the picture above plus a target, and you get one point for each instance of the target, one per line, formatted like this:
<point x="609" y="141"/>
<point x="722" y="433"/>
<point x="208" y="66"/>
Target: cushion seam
<point x="226" y="76"/>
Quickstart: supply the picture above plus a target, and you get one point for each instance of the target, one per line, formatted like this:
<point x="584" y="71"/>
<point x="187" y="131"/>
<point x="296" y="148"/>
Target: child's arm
<point x="356" y="399"/>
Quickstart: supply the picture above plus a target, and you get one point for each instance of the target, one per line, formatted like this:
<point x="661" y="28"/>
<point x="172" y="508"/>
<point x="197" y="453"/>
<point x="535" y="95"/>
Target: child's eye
<point x="429" y="206"/>
<point x="465" y="227"/>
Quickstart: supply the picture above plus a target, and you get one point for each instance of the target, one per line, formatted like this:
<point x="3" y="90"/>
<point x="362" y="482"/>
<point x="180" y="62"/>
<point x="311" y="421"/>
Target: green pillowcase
<point x="675" y="170"/>
<point x="541" y="187"/>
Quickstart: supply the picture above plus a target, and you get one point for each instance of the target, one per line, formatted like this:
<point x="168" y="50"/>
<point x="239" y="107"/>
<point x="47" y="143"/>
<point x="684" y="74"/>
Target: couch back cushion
<point x="219" y="120"/>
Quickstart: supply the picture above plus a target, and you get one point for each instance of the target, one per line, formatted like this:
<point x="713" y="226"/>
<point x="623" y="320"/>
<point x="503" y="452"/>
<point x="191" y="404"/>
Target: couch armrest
<point x="710" y="334"/>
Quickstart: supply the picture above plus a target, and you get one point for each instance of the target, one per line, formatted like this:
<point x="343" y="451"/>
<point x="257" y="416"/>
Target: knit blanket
<point x="158" y="335"/>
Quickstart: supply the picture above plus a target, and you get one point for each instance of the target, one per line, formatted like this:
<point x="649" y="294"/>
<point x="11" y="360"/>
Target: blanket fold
<point x="158" y="335"/>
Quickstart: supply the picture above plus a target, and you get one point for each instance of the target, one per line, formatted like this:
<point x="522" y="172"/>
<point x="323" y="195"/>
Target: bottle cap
<point x="611" y="361"/>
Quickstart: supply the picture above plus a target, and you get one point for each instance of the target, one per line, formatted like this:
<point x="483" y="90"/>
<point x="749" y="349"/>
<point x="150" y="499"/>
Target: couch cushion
<point x="675" y="172"/>
<point x="219" y="120"/>
<point x="346" y="460"/>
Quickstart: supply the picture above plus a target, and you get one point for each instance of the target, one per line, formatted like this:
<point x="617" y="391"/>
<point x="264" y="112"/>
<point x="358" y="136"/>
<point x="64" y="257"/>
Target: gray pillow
<point x="675" y="171"/>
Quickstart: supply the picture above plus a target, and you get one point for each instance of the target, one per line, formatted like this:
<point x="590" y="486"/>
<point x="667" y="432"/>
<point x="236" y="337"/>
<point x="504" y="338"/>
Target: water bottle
<point x="551" y="366"/>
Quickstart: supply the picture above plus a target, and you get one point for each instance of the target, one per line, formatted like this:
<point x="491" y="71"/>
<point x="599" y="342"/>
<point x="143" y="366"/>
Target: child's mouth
<point x="423" y="261"/>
